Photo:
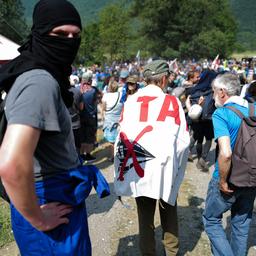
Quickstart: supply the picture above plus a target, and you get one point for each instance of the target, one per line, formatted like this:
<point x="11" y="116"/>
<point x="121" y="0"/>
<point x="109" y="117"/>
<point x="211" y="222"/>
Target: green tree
<point x="187" y="28"/>
<point x="90" y="50"/>
<point x="114" y="31"/>
<point x="12" y="23"/>
<point x="245" y="12"/>
<point x="247" y="39"/>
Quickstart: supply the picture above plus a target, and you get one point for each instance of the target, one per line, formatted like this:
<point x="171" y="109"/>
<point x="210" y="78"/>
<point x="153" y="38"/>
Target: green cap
<point x="156" y="67"/>
<point x="132" y="79"/>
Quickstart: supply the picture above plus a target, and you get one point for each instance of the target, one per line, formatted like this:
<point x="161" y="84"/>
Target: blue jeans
<point x="240" y="202"/>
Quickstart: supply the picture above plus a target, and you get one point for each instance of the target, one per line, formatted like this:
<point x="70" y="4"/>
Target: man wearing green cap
<point x="150" y="156"/>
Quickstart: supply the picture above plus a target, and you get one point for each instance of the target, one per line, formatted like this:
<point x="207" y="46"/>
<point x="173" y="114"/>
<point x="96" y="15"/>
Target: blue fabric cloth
<point x="72" y="188"/>
<point x="124" y="94"/>
<point x="204" y="83"/>
<point x="203" y="88"/>
<point x="241" y="205"/>
<point x="227" y="123"/>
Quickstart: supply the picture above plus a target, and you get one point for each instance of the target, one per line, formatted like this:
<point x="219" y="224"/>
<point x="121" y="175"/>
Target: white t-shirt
<point x="111" y="99"/>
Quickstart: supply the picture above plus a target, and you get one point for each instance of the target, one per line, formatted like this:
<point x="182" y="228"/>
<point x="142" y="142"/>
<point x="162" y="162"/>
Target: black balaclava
<point x="52" y="53"/>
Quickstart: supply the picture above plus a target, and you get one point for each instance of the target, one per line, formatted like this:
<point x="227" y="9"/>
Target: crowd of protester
<point x="156" y="114"/>
<point x="191" y="82"/>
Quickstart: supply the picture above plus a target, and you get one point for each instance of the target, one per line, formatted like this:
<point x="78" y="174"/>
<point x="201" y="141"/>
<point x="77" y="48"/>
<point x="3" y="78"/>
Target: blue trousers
<point x="67" y="239"/>
<point x="240" y="202"/>
<point x="70" y="239"/>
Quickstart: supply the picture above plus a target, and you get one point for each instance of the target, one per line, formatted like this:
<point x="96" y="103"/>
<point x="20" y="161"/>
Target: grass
<point x="246" y="54"/>
<point x="6" y="235"/>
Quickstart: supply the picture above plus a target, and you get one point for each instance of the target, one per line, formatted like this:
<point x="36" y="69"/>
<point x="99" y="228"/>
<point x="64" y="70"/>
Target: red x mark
<point x="130" y="152"/>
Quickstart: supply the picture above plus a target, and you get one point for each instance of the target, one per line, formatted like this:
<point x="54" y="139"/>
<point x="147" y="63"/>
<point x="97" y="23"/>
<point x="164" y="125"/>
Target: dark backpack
<point x="250" y="99"/>
<point x="243" y="164"/>
<point x="3" y="126"/>
<point x="208" y="106"/>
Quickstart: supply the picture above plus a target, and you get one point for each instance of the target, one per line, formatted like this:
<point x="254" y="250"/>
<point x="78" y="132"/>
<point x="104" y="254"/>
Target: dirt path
<point x="116" y="232"/>
<point x="113" y="225"/>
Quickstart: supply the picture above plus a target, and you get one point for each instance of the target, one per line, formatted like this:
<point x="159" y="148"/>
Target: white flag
<point x="173" y="65"/>
<point x="215" y="63"/>
<point x="138" y="54"/>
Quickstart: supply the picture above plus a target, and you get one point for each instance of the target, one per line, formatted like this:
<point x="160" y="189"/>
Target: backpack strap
<point x="238" y="112"/>
<point x="251" y="109"/>
<point x="108" y="110"/>
<point x="3" y="120"/>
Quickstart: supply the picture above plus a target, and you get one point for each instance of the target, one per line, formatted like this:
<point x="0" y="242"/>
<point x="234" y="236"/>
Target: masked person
<point x="39" y="165"/>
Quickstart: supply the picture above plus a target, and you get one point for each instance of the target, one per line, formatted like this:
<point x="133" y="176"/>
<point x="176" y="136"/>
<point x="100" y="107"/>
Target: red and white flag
<point x="173" y="66"/>
<point x="215" y="63"/>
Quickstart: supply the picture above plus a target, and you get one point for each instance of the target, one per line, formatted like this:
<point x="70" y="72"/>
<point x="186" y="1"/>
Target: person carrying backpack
<point x="229" y="189"/>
